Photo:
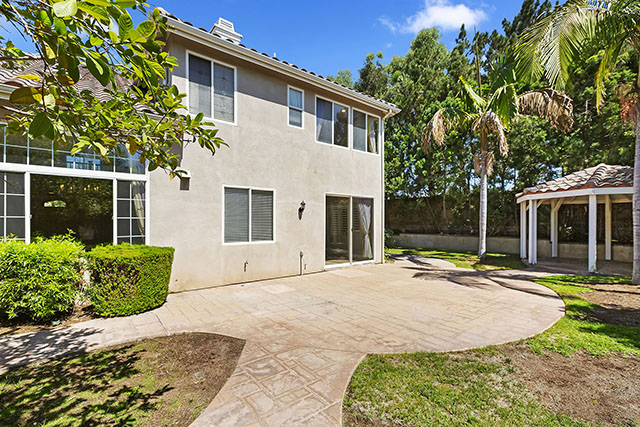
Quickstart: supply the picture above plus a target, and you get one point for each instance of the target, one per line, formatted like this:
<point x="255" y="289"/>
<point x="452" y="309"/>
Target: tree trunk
<point x="636" y="205"/>
<point x="482" y="241"/>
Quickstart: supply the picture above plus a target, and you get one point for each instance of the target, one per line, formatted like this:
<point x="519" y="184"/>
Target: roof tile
<point x="595" y="177"/>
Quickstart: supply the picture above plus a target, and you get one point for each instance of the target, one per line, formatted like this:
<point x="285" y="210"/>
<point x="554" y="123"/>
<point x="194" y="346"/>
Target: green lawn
<point x="466" y="259"/>
<point x="577" y="330"/>
<point x="480" y="387"/>
<point x="426" y="389"/>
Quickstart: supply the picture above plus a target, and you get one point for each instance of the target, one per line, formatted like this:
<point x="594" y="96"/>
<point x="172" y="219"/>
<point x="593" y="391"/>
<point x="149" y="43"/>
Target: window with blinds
<point x="212" y="89"/>
<point x="248" y="215"/>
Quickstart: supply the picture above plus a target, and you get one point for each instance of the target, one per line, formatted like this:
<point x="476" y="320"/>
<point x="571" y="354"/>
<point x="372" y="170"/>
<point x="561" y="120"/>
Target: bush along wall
<point x="41" y="280"/>
<point x="128" y="279"/>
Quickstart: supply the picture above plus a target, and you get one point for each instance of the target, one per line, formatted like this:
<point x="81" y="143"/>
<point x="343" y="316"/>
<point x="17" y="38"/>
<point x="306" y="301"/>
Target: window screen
<point x="295" y="107"/>
<point x="199" y="86"/>
<point x="223" y="96"/>
<point x="12" y="209"/>
<point x="236" y="215"/>
<point x="341" y="125"/>
<point x="359" y="131"/>
<point x="131" y="212"/>
<point x="323" y="120"/>
<point x="261" y="215"/>
<point x="373" y="134"/>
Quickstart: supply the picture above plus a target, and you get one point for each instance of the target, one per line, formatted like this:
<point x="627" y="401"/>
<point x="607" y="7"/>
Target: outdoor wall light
<point x="301" y="209"/>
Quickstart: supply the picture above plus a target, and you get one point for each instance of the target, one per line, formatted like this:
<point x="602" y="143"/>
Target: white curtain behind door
<point x="365" y="207"/>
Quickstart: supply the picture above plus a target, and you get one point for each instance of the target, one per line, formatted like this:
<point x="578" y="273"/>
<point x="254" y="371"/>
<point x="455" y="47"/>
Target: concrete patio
<point x="305" y="335"/>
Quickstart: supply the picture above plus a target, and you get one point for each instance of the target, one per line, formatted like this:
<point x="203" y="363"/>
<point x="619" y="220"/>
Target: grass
<point x="578" y="330"/>
<point x="154" y="382"/>
<point x="466" y="259"/>
<point x="479" y="387"/>
<point x="441" y="389"/>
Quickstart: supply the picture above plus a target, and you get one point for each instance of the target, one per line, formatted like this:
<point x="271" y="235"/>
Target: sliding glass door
<point x="337" y="234"/>
<point x="349" y="230"/>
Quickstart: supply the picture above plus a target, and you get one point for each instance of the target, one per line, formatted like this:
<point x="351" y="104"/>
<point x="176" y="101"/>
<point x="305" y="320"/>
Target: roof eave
<point x="185" y="30"/>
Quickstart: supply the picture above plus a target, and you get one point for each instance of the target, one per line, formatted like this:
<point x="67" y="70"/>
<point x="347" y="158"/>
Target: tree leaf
<point x="98" y="69"/>
<point x="29" y="77"/>
<point x="146" y="28"/>
<point x="125" y="25"/>
<point x="25" y="95"/>
<point x="65" y="8"/>
<point x="97" y="12"/>
<point x="41" y="125"/>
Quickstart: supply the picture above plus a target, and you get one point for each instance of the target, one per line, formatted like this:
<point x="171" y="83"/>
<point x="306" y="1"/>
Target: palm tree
<point x="490" y="120"/>
<point x="557" y="42"/>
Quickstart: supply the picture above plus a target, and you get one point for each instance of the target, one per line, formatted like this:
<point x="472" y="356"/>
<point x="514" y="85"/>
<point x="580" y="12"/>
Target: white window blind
<point x="223" y="89"/>
<point x="261" y="215"/>
<point x="295" y="107"/>
<point x="199" y="86"/>
<point x="236" y="215"/>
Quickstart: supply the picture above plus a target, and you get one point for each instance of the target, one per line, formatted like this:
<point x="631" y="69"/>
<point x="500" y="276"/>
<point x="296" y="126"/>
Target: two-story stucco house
<point x="299" y="188"/>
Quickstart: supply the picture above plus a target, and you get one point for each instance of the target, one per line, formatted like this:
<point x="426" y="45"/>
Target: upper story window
<point x="296" y="107"/>
<point x="212" y="89"/>
<point x="366" y="132"/>
<point x="21" y="149"/>
<point x="248" y="215"/>
<point x="332" y="123"/>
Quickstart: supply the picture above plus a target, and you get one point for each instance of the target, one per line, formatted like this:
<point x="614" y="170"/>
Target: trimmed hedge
<point x="41" y="280"/>
<point x="128" y="279"/>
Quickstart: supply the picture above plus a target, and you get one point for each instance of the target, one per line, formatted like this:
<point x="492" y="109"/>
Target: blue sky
<point x="330" y="35"/>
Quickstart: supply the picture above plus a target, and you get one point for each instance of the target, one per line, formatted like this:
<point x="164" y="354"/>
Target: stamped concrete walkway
<point x="306" y="335"/>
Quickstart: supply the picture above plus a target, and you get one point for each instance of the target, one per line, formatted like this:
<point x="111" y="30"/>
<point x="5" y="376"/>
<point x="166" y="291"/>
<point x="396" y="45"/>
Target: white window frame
<point x="28" y="169"/>
<point x="251" y="189"/>
<point x="324" y="229"/>
<point x="349" y="123"/>
<point x="367" y="115"/>
<point x="235" y="88"/>
<point x="289" y="88"/>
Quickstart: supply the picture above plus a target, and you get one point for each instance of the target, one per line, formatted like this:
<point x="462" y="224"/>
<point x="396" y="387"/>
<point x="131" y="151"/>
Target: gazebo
<point x="605" y="184"/>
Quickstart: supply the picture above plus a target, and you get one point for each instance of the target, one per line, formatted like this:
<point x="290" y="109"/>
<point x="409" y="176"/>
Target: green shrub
<point x="40" y="280"/>
<point x="128" y="279"/>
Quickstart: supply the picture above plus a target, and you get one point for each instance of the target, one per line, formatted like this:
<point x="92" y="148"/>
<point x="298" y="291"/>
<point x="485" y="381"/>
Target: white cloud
<point x="438" y="13"/>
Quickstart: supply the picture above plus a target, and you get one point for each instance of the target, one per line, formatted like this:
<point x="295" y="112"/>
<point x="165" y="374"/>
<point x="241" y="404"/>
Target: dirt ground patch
<point x="80" y="313"/>
<point x="594" y="388"/>
<point x="156" y="382"/>
<point x="619" y="304"/>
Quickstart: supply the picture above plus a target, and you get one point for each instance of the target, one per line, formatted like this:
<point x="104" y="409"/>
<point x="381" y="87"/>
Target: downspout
<point x="383" y="199"/>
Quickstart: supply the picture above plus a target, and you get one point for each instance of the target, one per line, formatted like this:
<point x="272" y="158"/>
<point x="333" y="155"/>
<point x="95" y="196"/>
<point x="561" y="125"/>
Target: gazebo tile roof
<point x="595" y="177"/>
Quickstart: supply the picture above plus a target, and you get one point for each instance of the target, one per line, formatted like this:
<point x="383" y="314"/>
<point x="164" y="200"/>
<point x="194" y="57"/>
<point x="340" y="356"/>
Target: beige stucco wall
<point x="506" y="245"/>
<point x="263" y="152"/>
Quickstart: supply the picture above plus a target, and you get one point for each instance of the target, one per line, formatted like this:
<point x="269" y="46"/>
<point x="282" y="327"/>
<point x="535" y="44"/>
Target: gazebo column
<point x="523" y="230"/>
<point x="555" y="207"/>
<point x="607" y="228"/>
<point x="533" y="231"/>
<point x="593" y="234"/>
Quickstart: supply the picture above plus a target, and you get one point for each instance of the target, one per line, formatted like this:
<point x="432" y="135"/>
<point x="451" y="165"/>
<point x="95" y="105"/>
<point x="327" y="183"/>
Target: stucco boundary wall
<point x="504" y="245"/>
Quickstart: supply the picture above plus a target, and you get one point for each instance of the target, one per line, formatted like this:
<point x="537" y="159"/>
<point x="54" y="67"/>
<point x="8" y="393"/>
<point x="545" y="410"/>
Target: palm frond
<point x="557" y="40"/>
<point x="551" y="105"/>
<point x="490" y="123"/>
<point x="444" y="120"/>
<point x="473" y="102"/>
<point x="504" y="102"/>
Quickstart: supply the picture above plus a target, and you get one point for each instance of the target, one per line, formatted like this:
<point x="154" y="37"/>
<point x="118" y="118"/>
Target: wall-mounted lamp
<point x="185" y="180"/>
<point x="301" y="209"/>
